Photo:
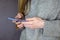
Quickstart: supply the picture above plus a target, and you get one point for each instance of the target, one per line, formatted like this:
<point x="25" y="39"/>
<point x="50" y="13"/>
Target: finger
<point x="18" y="23"/>
<point x="29" y="26"/>
<point x="29" y="19"/>
<point x="14" y="21"/>
<point x="27" y="23"/>
<point x="20" y="26"/>
<point x="18" y="16"/>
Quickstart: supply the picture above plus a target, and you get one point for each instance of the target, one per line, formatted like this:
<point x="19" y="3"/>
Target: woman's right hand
<point x="18" y="16"/>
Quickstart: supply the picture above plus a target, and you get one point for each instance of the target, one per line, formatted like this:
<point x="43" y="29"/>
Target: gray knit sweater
<point x="49" y="11"/>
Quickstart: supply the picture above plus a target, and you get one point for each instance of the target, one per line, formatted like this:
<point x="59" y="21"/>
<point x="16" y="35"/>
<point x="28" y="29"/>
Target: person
<point x="42" y="21"/>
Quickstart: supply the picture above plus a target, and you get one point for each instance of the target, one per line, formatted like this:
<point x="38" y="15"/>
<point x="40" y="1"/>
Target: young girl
<point x="42" y="21"/>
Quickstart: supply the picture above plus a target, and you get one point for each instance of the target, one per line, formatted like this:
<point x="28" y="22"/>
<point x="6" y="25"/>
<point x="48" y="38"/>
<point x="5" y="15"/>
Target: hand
<point x="19" y="24"/>
<point x="34" y="23"/>
<point x="18" y="16"/>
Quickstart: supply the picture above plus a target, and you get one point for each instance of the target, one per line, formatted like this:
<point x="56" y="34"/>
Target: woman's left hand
<point x="34" y="23"/>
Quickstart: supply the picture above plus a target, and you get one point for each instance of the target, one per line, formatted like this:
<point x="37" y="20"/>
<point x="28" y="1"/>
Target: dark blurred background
<point x="8" y="8"/>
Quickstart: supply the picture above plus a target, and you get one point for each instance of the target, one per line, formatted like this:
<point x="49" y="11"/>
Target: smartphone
<point x="17" y="20"/>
